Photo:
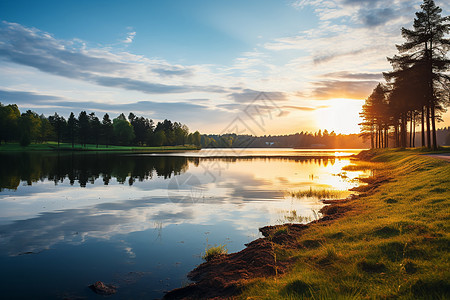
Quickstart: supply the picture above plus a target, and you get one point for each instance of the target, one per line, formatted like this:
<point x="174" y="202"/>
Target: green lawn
<point x="393" y="243"/>
<point x="53" y="146"/>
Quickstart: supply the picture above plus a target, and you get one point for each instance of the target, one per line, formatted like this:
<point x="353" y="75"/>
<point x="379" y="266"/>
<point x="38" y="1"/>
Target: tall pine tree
<point x="427" y="46"/>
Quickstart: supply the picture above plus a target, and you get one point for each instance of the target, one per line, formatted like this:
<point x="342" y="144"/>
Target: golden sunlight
<point x="340" y="115"/>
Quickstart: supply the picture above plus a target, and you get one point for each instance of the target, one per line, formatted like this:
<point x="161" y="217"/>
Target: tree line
<point x="87" y="128"/>
<point x="417" y="90"/>
<point x="319" y="139"/>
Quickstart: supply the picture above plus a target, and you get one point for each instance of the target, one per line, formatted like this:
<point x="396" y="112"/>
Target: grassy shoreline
<point x="53" y="146"/>
<point x="391" y="242"/>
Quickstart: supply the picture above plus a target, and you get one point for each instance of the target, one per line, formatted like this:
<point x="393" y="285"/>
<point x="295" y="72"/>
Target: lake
<point x="143" y="221"/>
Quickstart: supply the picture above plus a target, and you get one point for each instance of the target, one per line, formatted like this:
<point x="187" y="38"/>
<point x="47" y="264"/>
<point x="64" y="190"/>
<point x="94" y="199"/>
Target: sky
<point x="256" y="67"/>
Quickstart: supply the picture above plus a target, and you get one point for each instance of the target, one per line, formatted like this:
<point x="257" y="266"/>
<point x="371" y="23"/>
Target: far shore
<point x="66" y="147"/>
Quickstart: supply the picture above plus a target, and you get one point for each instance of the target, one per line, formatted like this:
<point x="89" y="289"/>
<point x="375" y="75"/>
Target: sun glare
<point x="340" y="116"/>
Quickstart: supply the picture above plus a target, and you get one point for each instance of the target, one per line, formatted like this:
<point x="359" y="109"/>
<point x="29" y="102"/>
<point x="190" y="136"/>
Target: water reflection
<point x="85" y="168"/>
<point x="132" y="202"/>
<point x="37" y="217"/>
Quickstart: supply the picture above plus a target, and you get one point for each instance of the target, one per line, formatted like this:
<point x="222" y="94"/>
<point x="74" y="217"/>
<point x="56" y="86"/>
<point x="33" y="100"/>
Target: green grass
<point x="394" y="243"/>
<point x="214" y="252"/>
<point x="53" y="146"/>
<point x="320" y="194"/>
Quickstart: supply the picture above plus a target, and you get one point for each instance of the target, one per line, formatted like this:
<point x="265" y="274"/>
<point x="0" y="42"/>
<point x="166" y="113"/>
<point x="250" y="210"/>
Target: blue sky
<point x="202" y="62"/>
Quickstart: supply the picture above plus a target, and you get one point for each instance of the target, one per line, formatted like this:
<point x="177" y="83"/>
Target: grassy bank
<point x="53" y="146"/>
<point x="392" y="242"/>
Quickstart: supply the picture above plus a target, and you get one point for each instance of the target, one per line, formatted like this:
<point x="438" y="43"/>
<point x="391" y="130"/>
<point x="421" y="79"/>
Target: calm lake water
<point x="142" y="222"/>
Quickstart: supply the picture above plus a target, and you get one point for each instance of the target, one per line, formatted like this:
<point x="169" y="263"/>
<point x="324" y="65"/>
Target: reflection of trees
<point x="325" y="160"/>
<point x="85" y="168"/>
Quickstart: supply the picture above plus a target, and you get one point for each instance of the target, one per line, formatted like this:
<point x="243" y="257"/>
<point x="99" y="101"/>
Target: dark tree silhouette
<point x="143" y="128"/>
<point x="83" y="128"/>
<point x="425" y="48"/>
<point x="107" y="130"/>
<point x="376" y="119"/>
<point x="58" y="122"/>
<point x="72" y="126"/>
<point x="95" y="127"/>
<point x="419" y="86"/>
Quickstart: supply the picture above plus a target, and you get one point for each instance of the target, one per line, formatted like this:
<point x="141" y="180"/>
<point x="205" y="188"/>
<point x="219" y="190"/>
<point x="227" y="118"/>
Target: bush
<point x="214" y="252"/>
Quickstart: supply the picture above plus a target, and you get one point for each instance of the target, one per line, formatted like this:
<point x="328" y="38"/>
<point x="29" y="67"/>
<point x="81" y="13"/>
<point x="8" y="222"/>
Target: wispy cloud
<point x="171" y="71"/>
<point x="186" y="110"/>
<point x="21" y="97"/>
<point x="303" y="108"/>
<point x="367" y="13"/>
<point x="350" y="75"/>
<point x="248" y="95"/>
<point x="129" y="39"/>
<point x="37" y="49"/>
<point x="328" y="89"/>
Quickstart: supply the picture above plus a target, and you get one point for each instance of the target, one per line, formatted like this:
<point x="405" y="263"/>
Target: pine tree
<point x="58" y="122"/>
<point x="107" y="130"/>
<point x="427" y="46"/>
<point x="376" y="119"/>
<point x="83" y="127"/>
<point x="72" y="125"/>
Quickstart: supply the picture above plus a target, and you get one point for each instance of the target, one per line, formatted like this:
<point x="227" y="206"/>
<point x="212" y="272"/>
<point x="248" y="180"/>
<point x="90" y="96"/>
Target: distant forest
<point x="298" y="140"/>
<point x="417" y="91"/>
<point x="315" y="140"/>
<point x="87" y="128"/>
<point x="29" y="127"/>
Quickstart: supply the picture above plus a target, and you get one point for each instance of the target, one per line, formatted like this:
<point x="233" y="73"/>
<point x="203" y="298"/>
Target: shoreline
<point x="272" y="258"/>
<point x="66" y="148"/>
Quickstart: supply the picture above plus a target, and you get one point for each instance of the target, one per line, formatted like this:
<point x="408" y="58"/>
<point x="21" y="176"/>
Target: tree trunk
<point x="396" y="135"/>
<point x="387" y="136"/>
<point x="376" y="138"/>
<point x="423" y="126"/>
<point x="433" y="122"/>
<point x="404" y="130"/>
<point x="414" y="130"/>
<point x="371" y="138"/>
<point x="428" y="127"/>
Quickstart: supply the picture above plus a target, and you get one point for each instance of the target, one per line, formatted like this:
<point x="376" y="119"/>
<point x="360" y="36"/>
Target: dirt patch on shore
<point x="222" y="276"/>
